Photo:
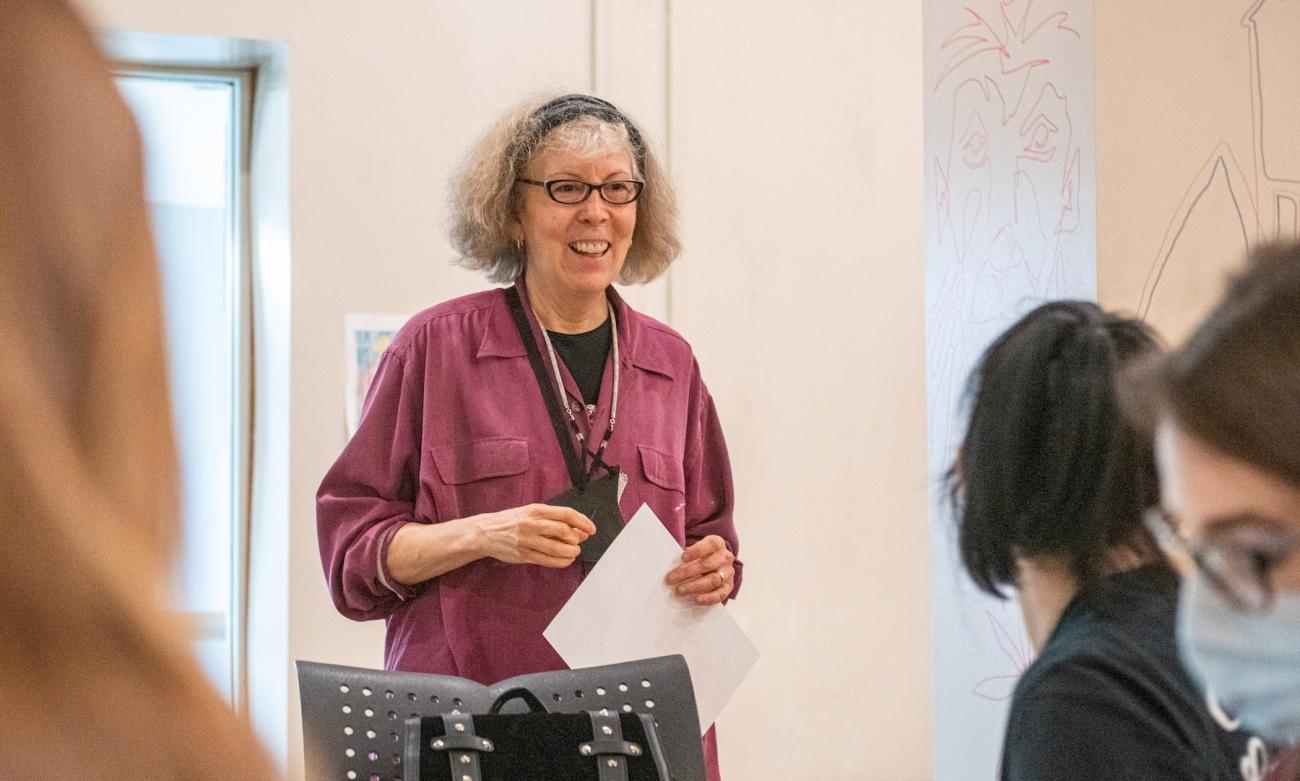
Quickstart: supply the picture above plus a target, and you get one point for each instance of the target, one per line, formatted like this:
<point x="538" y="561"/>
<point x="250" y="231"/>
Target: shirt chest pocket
<point x="664" y="486"/>
<point x="482" y="476"/>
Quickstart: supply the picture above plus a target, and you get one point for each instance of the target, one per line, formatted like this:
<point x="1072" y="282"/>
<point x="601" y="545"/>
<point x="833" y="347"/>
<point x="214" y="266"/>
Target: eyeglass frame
<point x="547" y="184"/>
<point x="1210" y="561"/>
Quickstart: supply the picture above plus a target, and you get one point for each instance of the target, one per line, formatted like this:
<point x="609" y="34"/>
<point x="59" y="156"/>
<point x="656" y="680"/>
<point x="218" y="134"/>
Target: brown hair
<point x="1235" y="383"/>
<point x="97" y="680"/>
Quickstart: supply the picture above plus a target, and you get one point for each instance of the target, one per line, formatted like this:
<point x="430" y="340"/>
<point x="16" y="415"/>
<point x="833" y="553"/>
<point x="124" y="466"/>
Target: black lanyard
<point x="579" y="471"/>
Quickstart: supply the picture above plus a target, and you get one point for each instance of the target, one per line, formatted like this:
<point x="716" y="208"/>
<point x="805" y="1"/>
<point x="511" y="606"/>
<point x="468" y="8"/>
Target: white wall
<point x="794" y="132"/>
<point x="796" y="138"/>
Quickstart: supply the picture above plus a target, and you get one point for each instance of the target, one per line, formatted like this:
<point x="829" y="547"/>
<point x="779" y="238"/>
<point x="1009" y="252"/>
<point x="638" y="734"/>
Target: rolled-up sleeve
<point x="369" y="494"/>
<point x="710" y="493"/>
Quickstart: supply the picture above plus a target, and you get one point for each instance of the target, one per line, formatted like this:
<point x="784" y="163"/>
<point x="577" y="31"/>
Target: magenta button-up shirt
<point x="454" y="425"/>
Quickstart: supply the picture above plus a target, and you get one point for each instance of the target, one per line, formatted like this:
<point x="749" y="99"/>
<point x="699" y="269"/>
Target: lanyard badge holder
<point x="597" y="499"/>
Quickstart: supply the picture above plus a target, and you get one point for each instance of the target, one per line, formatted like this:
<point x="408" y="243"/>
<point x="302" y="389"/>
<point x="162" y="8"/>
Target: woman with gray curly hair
<point x="509" y="433"/>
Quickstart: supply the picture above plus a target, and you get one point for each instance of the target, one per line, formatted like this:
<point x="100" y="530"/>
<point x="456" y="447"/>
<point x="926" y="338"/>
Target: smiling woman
<point x="485" y="200"/>
<point x="484" y="478"/>
<point x="577" y="243"/>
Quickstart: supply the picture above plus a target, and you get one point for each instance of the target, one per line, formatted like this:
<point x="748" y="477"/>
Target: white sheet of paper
<point x="625" y="611"/>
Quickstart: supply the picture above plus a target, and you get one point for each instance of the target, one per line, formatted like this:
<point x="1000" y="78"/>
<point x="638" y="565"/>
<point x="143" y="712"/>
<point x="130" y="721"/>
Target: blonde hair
<point x="484" y="197"/>
<point x="96" y="679"/>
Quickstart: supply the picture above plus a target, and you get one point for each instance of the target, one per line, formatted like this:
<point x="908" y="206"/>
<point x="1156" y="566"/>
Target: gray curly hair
<point x="484" y="198"/>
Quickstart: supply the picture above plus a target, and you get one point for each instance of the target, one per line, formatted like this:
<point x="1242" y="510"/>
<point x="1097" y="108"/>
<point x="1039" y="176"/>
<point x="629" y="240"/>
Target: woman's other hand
<point x="535" y="534"/>
<point x="706" y="574"/>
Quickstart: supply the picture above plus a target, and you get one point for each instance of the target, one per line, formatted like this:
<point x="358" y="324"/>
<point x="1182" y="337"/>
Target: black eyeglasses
<point x="1239" y="566"/>
<point x="571" y="191"/>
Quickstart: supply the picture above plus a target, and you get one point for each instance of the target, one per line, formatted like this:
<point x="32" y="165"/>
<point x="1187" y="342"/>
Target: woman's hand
<point x="534" y="534"/>
<point x="706" y="574"/>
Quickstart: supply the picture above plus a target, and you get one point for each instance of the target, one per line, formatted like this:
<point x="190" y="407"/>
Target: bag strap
<point x="608" y="747"/>
<point x="412" y="749"/>
<point x="457" y="740"/>
<point x="655" y="746"/>
<point x="534" y="705"/>
<point x="553" y="407"/>
<point x="462" y="746"/>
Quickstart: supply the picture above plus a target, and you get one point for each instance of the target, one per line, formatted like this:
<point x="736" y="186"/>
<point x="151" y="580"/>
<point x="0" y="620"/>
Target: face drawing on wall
<point x="1009" y="186"/>
<point x="1006" y="181"/>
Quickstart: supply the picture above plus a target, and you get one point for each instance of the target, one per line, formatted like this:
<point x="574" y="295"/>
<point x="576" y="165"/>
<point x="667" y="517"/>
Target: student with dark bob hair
<point x="1049" y="489"/>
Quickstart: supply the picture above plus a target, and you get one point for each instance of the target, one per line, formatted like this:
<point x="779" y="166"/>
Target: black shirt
<point x="585" y="356"/>
<point x="1109" y="699"/>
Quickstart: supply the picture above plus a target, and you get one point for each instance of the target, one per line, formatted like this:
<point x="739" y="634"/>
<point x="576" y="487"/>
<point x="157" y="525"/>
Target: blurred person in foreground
<point x="1226" y="407"/>
<point x="1049" y="489"/>
<point x="96" y="679"/>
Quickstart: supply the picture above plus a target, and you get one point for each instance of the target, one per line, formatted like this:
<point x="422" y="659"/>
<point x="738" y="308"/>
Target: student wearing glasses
<point x="1049" y="490"/>
<point x="509" y="434"/>
<point x="1228" y="441"/>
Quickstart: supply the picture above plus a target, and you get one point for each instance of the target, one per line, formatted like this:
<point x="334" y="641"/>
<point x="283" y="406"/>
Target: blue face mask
<point x="1250" y="662"/>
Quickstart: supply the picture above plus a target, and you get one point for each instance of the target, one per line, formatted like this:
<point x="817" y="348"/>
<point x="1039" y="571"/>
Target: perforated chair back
<point x="352" y="717"/>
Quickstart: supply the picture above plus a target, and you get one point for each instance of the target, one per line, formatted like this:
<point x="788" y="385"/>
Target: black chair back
<point x="352" y="717"/>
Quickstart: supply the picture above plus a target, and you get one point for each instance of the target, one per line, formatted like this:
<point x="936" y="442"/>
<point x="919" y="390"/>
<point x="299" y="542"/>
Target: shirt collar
<point x="501" y="340"/>
<point x="500" y="337"/>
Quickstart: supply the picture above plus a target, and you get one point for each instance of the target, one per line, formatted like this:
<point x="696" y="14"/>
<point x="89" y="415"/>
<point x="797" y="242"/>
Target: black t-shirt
<point x="585" y="356"/>
<point x="1109" y="699"/>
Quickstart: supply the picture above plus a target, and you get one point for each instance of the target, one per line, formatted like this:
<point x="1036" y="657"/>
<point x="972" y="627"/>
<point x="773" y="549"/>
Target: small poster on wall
<point x="365" y="339"/>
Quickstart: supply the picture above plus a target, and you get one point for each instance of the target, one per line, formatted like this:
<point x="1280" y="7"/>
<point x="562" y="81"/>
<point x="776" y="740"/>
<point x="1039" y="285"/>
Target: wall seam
<point x="668" y="139"/>
<point x="595" y="47"/>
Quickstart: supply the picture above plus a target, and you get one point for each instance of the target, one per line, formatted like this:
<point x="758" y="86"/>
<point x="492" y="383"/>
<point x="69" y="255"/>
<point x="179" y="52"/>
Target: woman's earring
<point x="519" y="244"/>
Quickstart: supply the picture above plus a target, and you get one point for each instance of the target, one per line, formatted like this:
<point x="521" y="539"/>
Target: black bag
<point x="536" y="746"/>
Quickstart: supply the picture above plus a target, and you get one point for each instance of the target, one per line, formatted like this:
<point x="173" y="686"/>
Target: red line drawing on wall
<point x="1007" y="185"/>
<point x="1014" y="643"/>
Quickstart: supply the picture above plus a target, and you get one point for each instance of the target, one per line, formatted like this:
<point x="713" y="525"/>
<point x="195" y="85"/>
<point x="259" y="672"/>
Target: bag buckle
<point x="608" y="747"/>
<point x="462" y="746"/>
